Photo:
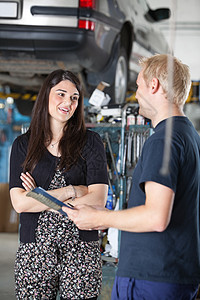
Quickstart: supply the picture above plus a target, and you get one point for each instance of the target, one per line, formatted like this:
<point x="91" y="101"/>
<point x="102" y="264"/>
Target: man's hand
<point x="86" y="217"/>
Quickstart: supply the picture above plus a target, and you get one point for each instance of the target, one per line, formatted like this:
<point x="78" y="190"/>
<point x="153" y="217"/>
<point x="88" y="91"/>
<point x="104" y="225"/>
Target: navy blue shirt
<point x="174" y="254"/>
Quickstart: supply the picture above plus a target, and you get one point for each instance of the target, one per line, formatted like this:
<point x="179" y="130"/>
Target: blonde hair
<point x="157" y="66"/>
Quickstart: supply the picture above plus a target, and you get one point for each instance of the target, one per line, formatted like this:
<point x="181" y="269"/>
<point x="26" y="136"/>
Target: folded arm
<point x="96" y="196"/>
<point x="22" y="203"/>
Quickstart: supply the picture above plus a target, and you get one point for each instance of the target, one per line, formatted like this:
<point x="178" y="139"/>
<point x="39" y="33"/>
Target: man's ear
<point x="154" y="85"/>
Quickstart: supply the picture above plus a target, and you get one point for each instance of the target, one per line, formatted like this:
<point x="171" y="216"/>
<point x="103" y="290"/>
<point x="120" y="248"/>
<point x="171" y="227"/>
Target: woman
<point x="58" y="154"/>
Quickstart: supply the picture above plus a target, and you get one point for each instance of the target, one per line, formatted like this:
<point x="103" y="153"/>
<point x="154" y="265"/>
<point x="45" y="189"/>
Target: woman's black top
<point x="91" y="168"/>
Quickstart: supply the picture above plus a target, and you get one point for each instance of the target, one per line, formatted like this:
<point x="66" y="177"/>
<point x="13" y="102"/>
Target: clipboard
<point x="41" y="195"/>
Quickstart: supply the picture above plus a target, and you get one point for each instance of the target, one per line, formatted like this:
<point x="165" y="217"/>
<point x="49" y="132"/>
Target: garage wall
<point x="187" y="32"/>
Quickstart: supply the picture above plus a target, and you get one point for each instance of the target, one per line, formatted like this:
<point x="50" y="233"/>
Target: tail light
<point x="84" y="23"/>
<point x="87" y="3"/>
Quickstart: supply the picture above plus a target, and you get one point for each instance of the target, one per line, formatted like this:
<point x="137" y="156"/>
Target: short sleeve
<point x="96" y="162"/>
<point x="17" y="157"/>
<point x="154" y="158"/>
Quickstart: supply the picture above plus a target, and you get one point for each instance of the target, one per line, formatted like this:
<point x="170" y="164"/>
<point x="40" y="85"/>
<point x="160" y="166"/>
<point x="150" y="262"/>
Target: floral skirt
<point x="58" y="262"/>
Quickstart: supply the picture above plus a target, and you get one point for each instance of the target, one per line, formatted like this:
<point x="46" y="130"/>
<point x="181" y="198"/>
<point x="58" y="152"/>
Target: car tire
<point x="118" y="90"/>
<point x="24" y="107"/>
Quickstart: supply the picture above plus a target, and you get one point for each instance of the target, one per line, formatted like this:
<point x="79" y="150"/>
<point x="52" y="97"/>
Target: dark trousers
<point x="125" y="288"/>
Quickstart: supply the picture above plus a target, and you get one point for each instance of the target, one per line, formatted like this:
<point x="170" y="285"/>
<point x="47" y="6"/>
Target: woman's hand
<point x="75" y="191"/>
<point x="28" y="181"/>
<point x="94" y="194"/>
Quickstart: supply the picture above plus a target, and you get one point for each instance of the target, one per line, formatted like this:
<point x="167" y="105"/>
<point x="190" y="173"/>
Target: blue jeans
<point x="125" y="288"/>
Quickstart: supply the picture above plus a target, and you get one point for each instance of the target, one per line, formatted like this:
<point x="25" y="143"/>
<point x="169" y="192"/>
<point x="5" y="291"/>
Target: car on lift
<point x="100" y="40"/>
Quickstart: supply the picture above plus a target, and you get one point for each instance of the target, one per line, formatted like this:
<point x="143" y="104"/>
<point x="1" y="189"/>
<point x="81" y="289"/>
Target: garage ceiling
<point x="185" y="38"/>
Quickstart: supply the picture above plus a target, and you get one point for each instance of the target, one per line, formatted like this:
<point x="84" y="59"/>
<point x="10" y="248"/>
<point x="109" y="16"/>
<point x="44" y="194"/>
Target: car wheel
<point x="24" y="107"/>
<point x="118" y="90"/>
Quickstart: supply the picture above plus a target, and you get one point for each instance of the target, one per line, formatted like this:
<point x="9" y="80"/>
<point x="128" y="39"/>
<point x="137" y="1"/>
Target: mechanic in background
<point x="160" y="241"/>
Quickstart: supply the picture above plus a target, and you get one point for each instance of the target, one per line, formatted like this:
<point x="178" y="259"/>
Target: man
<point x="160" y="241"/>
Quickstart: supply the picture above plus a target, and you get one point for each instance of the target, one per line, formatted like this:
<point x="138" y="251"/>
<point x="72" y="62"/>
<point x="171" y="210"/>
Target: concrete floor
<point x="8" y="248"/>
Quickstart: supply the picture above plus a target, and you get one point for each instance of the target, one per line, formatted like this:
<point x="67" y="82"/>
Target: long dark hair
<point x="40" y="134"/>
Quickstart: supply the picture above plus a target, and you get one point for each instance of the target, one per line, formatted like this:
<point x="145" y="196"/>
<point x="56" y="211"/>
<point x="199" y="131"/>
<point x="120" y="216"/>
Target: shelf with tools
<point x="123" y="143"/>
<point x="111" y="137"/>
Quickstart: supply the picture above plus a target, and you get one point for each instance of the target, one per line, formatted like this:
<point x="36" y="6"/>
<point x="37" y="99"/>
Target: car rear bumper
<point x="56" y="43"/>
